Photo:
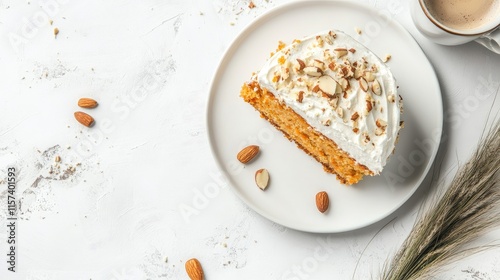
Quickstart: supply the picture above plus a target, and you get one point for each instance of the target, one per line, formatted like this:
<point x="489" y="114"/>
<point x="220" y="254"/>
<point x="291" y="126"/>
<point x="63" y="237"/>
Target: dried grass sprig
<point x="468" y="208"/>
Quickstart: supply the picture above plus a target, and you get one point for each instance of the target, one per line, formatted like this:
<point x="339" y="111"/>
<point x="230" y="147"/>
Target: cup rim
<point x="451" y="30"/>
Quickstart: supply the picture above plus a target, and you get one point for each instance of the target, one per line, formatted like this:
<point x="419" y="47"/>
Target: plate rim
<point x="245" y="31"/>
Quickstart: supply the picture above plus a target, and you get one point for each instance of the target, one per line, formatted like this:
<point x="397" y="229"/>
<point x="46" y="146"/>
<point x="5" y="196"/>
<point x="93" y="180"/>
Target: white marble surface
<point x="123" y="212"/>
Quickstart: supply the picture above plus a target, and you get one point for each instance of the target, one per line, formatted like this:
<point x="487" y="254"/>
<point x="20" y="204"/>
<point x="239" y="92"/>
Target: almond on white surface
<point x="194" y="269"/>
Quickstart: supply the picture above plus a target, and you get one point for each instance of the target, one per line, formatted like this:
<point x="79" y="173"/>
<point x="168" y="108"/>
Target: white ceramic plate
<point x="295" y="177"/>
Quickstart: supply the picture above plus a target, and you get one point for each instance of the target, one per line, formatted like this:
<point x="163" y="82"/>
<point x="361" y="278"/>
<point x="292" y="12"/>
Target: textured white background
<point x="136" y="205"/>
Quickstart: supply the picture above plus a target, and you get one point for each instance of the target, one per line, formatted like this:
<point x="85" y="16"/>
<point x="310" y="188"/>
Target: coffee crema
<point x="463" y="14"/>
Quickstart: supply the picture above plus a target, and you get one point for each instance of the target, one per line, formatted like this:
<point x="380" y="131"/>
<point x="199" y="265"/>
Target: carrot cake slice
<point x="335" y="99"/>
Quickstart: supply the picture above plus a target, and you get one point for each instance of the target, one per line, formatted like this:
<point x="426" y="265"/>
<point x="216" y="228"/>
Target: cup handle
<point x="491" y="40"/>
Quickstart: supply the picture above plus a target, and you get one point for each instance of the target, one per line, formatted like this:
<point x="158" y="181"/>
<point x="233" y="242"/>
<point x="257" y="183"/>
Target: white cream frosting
<point x="343" y="90"/>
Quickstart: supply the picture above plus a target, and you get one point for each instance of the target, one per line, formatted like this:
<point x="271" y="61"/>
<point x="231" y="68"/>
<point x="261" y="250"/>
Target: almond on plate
<point x="247" y="153"/>
<point x="322" y="201"/>
<point x="262" y="178"/>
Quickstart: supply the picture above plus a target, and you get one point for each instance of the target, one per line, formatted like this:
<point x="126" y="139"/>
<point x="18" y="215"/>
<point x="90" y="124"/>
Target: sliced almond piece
<point x="328" y="85"/>
<point x="358" y="73"/>
<point x="334" y="102"/>
<point x="322" y="201"/>
<point x="329" y="39"/>
<point x="262" y="178"/>
<point x="301" y="63"/>
<point x="344" y="83"/>
<point x="248" y="153"/>
<point x="340" y="52"/>
<point x="376" y="88"/>
<point x="368" y="75"/>
<point x="313" y="71"/>
<point x="318" y="63"/>
<point x="363" y="84"/>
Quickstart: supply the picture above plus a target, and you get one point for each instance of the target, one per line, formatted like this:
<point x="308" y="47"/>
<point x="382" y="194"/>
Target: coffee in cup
<point x="463" y="14"/>
<point x="454" y="22"/>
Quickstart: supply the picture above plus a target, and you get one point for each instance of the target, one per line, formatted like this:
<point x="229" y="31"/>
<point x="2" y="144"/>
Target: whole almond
<point x="194" y="269"/>
<point x="262" y="178"/>
<point x="88" y="103"/>
<point x="84" y="118"/>
<point x="248" y="153"/>
<point x="322" y="201"/>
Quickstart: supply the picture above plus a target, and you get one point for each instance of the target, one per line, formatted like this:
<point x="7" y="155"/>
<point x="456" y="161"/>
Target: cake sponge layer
<point x="296" y="129"/>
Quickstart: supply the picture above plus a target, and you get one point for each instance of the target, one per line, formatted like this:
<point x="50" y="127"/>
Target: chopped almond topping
<point x="354" y="116"/>
<point x="332" y="66"/>
<point x="318" y="63"/>
<point x="381" y="123"/>
<point x="379" y="131"/>
<point x="368" y="106"/>
<point x="301" y="63"/>
<point x="300" y="97"/>
<point x="340" y="112"/>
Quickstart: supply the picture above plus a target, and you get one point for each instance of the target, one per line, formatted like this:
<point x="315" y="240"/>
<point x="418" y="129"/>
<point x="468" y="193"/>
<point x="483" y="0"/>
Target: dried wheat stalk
<point x="468" y="208"/>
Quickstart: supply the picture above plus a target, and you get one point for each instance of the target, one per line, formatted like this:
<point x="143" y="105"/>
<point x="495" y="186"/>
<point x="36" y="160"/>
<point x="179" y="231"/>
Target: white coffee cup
<point x="439" y="33"/>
